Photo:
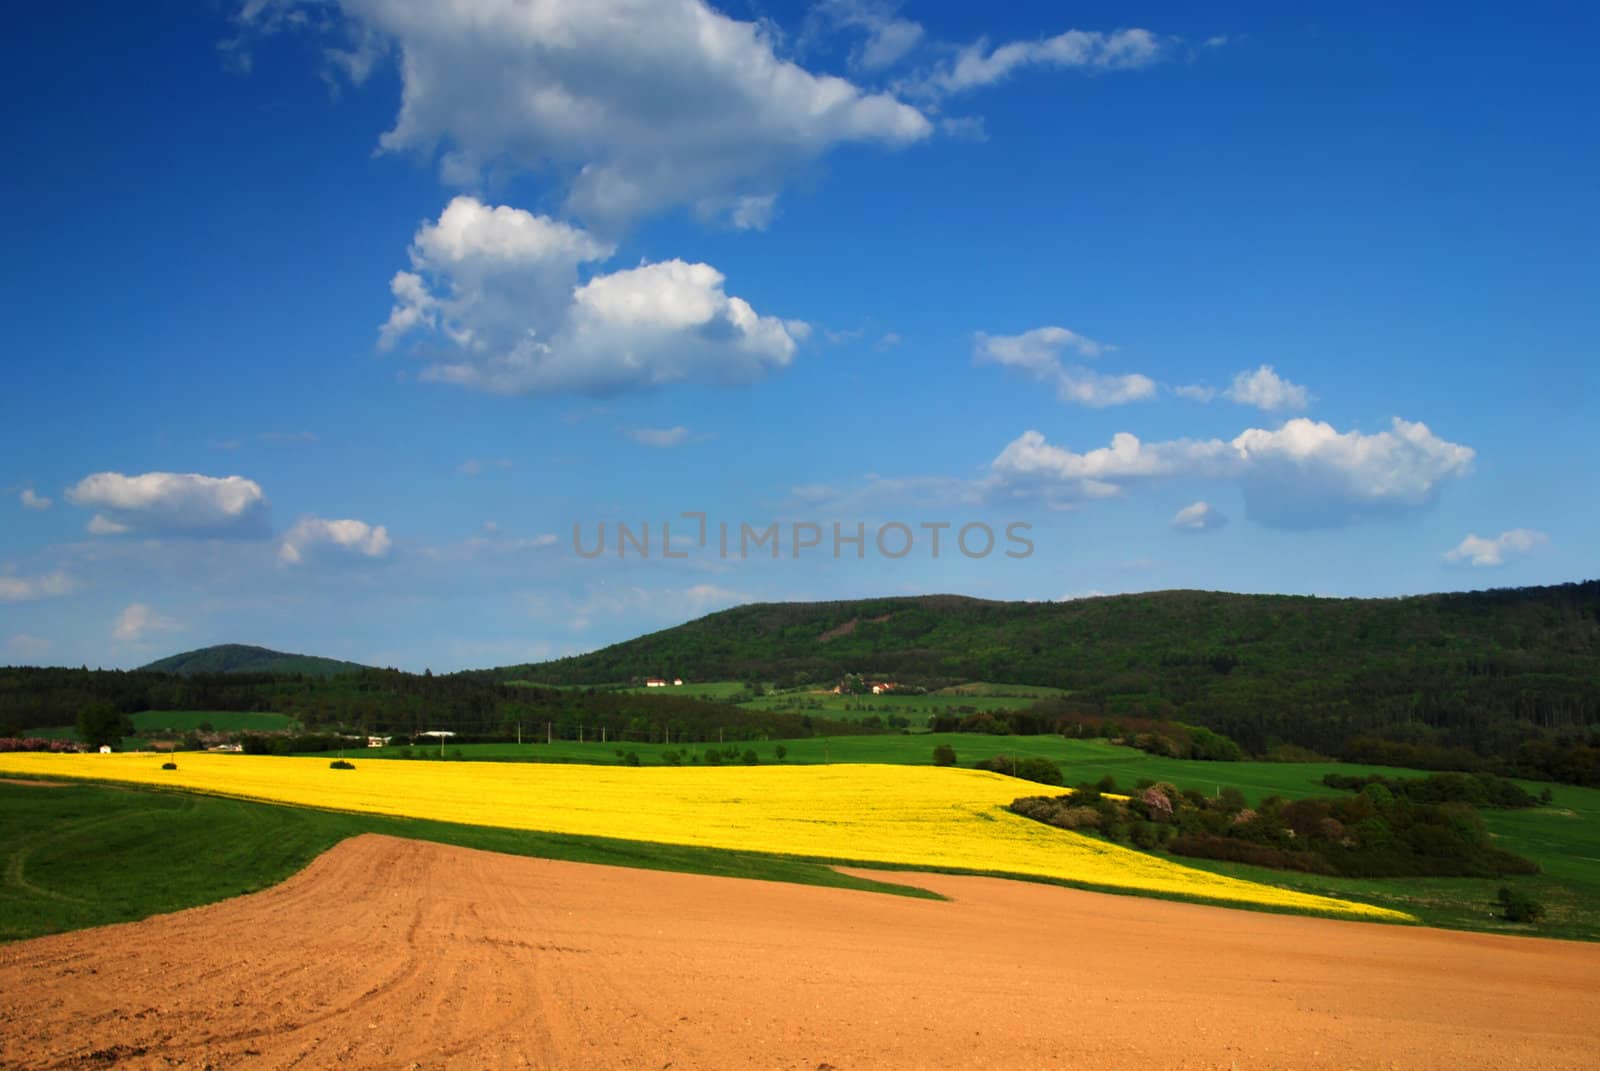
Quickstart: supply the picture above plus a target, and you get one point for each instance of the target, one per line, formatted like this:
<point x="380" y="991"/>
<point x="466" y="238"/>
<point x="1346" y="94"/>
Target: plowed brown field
<point x="397" y="954"/>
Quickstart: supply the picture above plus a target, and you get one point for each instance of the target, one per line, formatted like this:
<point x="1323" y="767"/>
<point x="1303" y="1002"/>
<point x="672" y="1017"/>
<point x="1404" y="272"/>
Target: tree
<point x="944" y="755"/>
<point x="100" y="724"/>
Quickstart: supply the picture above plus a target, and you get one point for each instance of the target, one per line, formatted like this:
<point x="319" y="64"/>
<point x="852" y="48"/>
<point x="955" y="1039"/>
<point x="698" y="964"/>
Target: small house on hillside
<point x="655" y="682"/>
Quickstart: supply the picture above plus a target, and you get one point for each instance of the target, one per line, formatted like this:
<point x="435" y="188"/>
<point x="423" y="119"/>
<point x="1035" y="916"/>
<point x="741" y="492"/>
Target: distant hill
<point x="1479" y="671"/>
<point x="242" y="658"/>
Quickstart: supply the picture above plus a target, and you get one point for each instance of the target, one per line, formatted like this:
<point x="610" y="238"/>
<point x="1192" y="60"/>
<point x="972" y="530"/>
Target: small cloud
<point x="139" y="619"/>
<point x="1198" y="517"/>
<point x="34" y="501"/>
<point x="14" y="588"/>
<point x="172" y="503"/>
<point x="312" y="535"/>
<point x="889" y="341"/>
<point x="225" y="444"/>
<point x="1215" y="41"/>
<point x="1483" y="553"/>
<point x="1266" y="390"/>
<point x="660" y="437"/>
<point x="287" y="436"/>
<point x="1037" y="354"/>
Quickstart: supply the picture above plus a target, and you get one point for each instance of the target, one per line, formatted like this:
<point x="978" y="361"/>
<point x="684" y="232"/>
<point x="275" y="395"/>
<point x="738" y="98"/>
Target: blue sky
<point x="329" y="321"/>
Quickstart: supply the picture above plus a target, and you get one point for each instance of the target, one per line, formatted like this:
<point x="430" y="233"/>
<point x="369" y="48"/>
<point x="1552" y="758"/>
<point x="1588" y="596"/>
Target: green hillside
<point x="242" y="658"/>
<point x="1429" y="680"/>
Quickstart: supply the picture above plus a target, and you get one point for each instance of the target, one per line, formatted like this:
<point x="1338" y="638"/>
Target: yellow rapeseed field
<point x="917" y="815"/>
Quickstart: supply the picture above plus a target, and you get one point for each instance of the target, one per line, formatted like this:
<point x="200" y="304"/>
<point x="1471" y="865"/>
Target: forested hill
<point x="242" y="658"/>
<point x="1479" y="670"/>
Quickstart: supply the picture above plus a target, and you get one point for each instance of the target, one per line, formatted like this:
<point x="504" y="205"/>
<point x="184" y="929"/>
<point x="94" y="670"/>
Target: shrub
<point x="1027" y="767"/>
<point x="751" y="758"/>
<point x="1518" y="906"/>
<point x="169" y="766"/>
<point x="944" y="755"/>
<point x="630" y="759"/>
<point x="340" y="764"/>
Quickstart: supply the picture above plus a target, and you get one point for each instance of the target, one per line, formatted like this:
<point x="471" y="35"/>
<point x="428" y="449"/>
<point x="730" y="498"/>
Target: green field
<point x="916" y="708"/>
<point x="1081" y="760"/>
<point x="77" y="855"/>
<point x="182" y="721"/>
<point x="960" y="698"/>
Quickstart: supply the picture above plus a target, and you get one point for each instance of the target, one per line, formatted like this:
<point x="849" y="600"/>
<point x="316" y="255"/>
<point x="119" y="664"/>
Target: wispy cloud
<point x="18" y="588"/>
<point x="138" y="620"/>
<point x="1037" y="355"/>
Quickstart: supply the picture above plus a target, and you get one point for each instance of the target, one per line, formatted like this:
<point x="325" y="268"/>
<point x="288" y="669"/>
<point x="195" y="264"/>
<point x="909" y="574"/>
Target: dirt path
<point x="396" y="954"/>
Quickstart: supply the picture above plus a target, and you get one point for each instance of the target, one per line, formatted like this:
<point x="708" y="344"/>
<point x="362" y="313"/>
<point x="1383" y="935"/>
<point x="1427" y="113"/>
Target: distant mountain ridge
<point x="243" y="658"/>
<point x="1417" y="681"/>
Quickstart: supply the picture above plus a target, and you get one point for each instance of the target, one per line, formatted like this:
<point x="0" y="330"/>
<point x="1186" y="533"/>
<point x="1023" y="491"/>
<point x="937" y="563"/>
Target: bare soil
<point x="397" y="954"/>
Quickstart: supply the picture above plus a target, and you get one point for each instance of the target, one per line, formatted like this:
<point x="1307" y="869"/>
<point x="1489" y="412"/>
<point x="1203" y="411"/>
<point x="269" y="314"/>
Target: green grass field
<point x="916" y="708"/>
<point x="77" y="855"/>
<point x="1081" y="760"/>
<point x="181" y="721"/>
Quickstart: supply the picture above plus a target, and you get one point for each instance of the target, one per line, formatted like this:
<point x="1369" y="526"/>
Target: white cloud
<point x="660" y="437"/>
<point x="139" y="619"/>
<point x="980" y="65"/>
<point x="30" y="500"/>
<point x="634" y="105"/>
<point x="1268" y="391"/>
<point x="1303" y="474"/>
<point x="1483" y="553"/>
<point x="1036" y="354"/>
<point x="313" y="535"/>
<point x="1198" y="517"/>
<point x="499" y="287"/>
<point x="287" y="436"/>
<point x="172" y="503"/>
<point x="1307" y="474"/>
<point x="15" y="588"/>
